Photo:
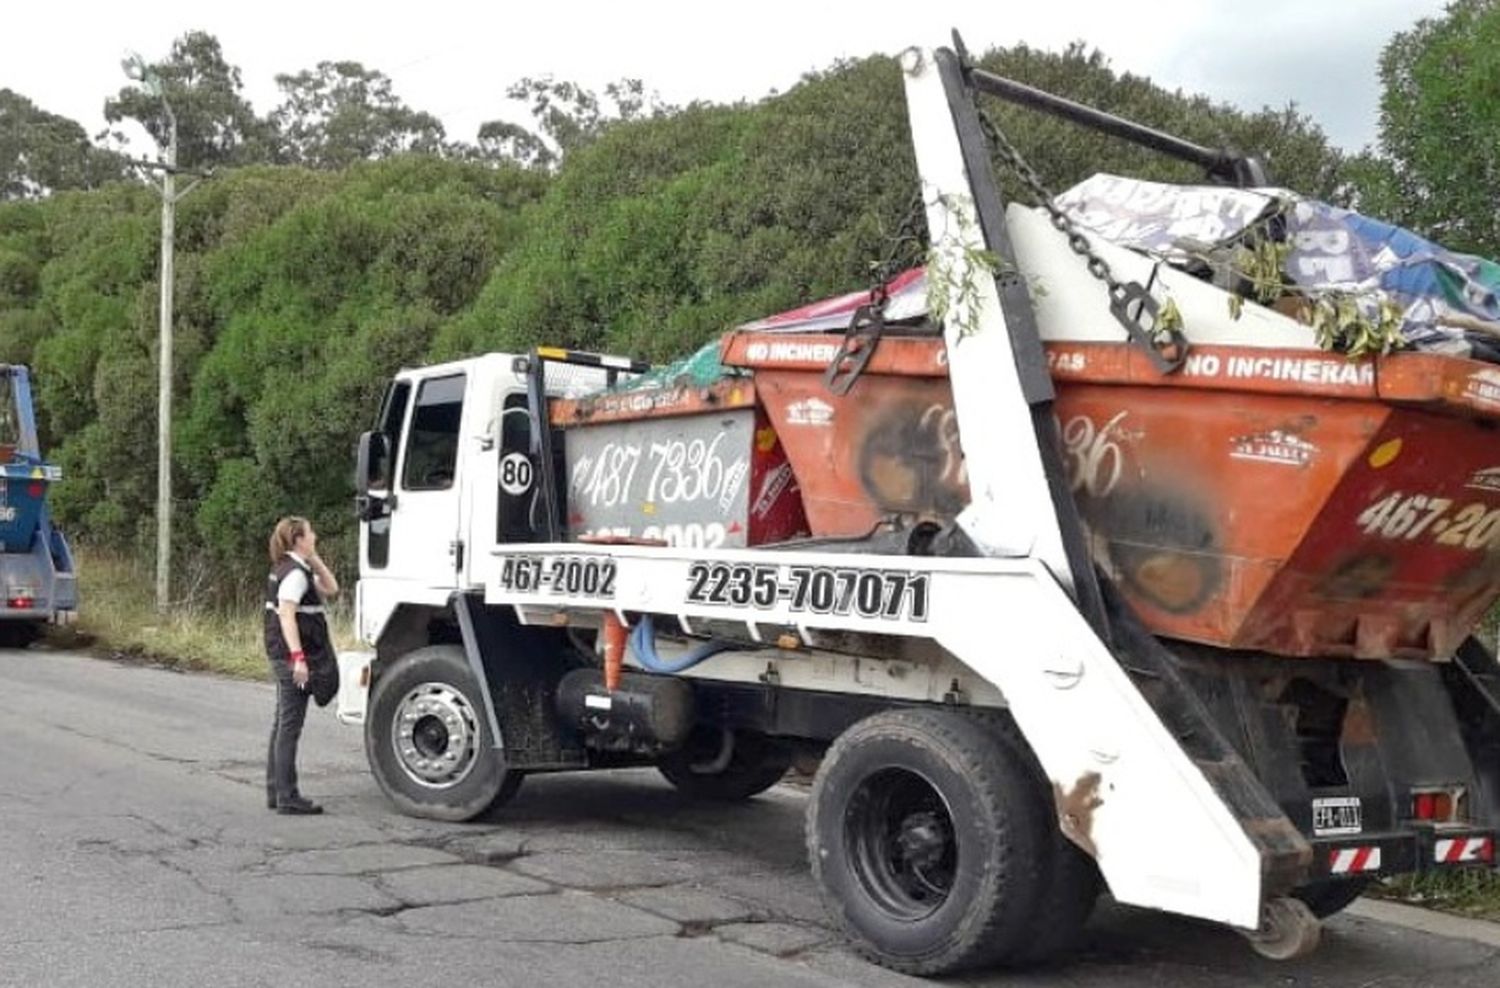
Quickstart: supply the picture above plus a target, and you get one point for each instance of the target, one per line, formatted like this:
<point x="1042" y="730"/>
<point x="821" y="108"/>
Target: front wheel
<point x="428" y="741"/>
<point x="927" y="840"/>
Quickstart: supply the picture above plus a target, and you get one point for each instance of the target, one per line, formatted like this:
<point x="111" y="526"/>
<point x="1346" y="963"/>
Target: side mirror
<point x="371" y="466"/>
<point x="371" y="462"/>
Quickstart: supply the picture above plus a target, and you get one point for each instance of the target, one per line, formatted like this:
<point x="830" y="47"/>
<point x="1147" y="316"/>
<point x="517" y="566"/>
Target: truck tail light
<point x="1437" y="805"/>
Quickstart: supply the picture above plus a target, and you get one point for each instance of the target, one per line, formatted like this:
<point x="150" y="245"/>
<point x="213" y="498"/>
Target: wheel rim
<point x="903" y="847"/>
<point x="435" y="734"/>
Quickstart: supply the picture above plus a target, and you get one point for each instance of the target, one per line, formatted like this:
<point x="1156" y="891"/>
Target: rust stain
<point x="1174" y="581"/>
<point x="1359" y="724"/>
<point x="892" y="480"/>
<point x="1075" y="810"/>
<point x="1358" y="578"/>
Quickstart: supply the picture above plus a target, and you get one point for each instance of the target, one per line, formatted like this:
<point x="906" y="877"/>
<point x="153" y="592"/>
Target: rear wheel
<point x="428" y="740"/>
<point x="1071" y="883"/>
<point x="928" y="842"/>
<point x="19" y="634"/>
<point x="727" y="767"/>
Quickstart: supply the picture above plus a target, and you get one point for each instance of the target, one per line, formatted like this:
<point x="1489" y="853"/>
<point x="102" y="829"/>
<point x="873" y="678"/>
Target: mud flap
<point x="519" y="668"/>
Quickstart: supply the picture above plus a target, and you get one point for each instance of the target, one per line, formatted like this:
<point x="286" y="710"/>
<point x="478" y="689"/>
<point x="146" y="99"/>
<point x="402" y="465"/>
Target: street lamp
<point x="137" y="70"/>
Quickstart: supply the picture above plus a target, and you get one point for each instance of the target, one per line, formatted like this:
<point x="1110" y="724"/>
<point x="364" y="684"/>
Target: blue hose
<point x="643" y="647"/>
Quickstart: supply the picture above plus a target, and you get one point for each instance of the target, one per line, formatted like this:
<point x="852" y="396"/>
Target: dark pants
<point x="286" y="730"/>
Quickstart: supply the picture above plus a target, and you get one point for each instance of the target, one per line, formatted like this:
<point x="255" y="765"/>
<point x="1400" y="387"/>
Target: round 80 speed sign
<point x="515" y="473"/>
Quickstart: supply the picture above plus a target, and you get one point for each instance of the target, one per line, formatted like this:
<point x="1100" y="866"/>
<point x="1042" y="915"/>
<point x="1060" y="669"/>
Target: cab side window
<point x="432" y="439"/>
<point x="391" y="417"/>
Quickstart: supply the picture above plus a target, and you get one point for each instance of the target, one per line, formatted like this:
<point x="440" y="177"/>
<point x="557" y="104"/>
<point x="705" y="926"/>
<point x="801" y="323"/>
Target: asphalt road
<point x="135" y="849"/>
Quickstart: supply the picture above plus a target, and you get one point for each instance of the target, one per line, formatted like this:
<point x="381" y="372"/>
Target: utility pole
<point x="137" y="69"/>
<point x="164" y="372"/>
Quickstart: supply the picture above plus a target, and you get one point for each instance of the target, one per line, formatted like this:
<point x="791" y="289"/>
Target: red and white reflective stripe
<point x="1464" y="850"/>
<point x="1354" y="860"/>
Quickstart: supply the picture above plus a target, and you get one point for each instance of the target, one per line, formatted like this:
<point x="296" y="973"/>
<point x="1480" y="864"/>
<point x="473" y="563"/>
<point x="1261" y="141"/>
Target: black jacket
<point x="312" y="628"/>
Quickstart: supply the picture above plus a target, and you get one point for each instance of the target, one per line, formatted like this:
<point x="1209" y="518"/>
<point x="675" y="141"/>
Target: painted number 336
<point x="1410" y="517"/>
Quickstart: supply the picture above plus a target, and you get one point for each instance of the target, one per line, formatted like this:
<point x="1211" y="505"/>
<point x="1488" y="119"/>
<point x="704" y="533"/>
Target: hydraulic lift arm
<point x="1172" y="828"/>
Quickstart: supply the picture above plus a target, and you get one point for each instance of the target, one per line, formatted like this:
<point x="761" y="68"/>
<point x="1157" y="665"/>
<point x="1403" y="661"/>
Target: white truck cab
<point x="449" y="438"/>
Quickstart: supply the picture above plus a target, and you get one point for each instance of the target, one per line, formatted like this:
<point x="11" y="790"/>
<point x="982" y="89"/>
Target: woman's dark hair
<point x="285" y="535"/>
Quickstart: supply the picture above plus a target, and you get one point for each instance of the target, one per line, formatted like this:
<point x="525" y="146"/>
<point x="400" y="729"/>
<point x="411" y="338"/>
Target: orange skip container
<point x="1285" y="501"/>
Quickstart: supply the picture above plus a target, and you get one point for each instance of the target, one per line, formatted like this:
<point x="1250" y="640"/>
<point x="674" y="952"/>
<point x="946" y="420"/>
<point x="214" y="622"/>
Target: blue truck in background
<point x="38" y="582"/>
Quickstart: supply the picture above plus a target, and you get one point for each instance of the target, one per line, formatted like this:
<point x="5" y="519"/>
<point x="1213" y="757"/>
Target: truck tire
<point x="428" y="741"/>
<point x="928" y="841"/>
<point x="1071" y="881"/>
<point x="19" y="634"/>
<point x="756" y="763"/>
<point x="1328" y="898"/>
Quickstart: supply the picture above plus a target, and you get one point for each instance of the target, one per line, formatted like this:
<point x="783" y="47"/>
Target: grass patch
<point x="117" y="618"/>
<point x="1473" y="892"/>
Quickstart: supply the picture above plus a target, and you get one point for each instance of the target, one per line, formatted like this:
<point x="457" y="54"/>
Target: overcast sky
<point x="455" y="59"/>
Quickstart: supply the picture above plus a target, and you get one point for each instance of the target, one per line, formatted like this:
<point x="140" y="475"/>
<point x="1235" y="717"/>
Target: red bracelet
<point x="298" y="656"/>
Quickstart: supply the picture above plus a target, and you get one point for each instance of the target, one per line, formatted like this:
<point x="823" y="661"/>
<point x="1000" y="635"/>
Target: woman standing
<point x="296" y="640"/>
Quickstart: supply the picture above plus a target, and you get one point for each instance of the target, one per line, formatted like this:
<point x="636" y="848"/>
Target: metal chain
<point x="1132" y="305"/>
<point x="1010" y="155"/>
<point x="882" y="273"/>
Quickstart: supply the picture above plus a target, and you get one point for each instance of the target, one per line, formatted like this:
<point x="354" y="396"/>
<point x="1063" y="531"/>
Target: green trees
<point x="41" y="152"/>
<point x="332" y="115"/>
<point x="1440" y="129"/>
<point x="666" y="230"/>
<point x="309" y="316"/>
<point x="341" y="113"/>
<point x="567" y="116"/>
<point x="216" y="126"/>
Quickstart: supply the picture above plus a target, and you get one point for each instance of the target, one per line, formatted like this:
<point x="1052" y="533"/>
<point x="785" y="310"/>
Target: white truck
<point x="913" y="549"/>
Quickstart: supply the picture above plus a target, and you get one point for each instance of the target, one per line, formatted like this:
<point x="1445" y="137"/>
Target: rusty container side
<point x="887" y="449"/>
<point x="1194" y="503"/>
<point x="1261" y="500"/>
<point x="1404" y="557"/>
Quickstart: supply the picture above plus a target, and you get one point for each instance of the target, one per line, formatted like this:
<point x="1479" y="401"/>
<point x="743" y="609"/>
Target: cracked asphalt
<point x="135" y="849"/>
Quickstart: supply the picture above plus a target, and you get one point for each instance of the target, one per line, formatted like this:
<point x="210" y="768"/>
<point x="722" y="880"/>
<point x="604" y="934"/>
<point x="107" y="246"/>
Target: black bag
<point x="323" y="675"/>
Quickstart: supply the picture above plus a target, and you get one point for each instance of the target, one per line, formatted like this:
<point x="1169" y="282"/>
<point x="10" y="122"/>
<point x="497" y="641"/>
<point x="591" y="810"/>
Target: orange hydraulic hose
<point x="615" y="634"/>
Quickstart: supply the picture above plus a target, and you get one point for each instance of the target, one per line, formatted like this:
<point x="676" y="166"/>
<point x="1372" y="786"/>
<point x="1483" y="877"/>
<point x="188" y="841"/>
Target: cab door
<point x="425" y="544"/>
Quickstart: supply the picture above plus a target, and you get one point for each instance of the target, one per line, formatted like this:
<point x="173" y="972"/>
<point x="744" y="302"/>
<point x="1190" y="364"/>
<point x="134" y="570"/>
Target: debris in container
<point x="1365" y="285"/>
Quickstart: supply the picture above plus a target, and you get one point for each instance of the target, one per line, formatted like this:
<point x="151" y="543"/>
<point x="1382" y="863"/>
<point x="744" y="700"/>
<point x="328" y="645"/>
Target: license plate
<point x="1337" y="816"/>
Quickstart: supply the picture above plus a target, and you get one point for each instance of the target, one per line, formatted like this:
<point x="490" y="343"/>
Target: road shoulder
<point x="1426" y="921"/>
